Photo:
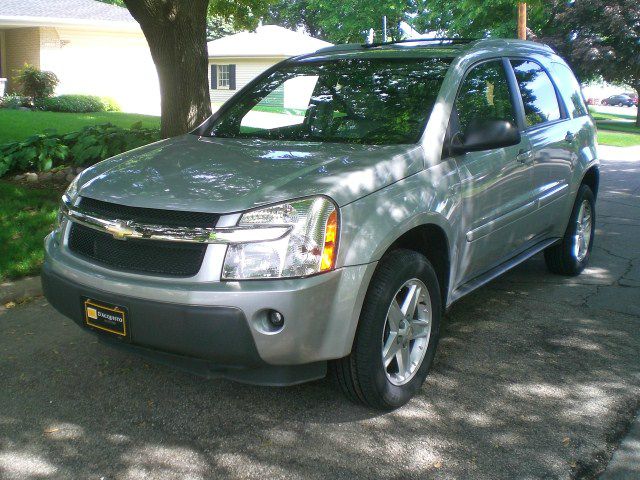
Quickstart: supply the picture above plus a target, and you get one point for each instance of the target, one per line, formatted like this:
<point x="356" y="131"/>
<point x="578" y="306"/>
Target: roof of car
<point x="429" y="47"/>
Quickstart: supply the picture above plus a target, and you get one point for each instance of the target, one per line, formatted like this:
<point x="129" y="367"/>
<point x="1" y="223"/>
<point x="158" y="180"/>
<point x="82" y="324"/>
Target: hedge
<point x="78" y="104"/>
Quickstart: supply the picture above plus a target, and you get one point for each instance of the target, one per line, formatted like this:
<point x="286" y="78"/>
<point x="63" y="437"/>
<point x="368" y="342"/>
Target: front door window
<point x="484" y="95"/>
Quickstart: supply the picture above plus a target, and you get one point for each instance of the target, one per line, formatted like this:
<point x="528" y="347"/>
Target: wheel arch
<point x="430" y="240"/>
<point x="591" y="178"/>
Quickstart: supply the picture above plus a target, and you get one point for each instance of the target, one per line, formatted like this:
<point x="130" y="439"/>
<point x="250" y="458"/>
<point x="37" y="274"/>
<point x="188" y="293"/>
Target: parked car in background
<point x="619" y="101"/>
<point x="273" y="245"/>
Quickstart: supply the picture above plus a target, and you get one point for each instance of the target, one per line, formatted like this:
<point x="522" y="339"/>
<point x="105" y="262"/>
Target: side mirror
<point x="487" y="135"/>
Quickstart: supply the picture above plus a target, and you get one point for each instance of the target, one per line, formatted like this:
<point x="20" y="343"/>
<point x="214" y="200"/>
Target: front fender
<point x="373" y="223"/>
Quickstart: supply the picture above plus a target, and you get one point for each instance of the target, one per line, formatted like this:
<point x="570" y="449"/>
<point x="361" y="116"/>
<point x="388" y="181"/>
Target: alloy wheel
<point x="406" y="333"/>
<point x="583" y="231"/>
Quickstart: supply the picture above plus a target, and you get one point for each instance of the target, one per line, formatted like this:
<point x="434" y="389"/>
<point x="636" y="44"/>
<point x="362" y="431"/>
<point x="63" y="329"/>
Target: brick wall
<point x="22" y="45"/>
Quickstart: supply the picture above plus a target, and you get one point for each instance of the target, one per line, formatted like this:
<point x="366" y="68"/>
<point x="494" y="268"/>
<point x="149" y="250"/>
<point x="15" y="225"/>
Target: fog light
<point x="275" y="318"/>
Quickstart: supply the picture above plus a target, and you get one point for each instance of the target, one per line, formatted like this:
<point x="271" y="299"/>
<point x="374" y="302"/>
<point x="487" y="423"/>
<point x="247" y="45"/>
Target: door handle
<point x="525" y="156"/>
<point x="570" y="137"/>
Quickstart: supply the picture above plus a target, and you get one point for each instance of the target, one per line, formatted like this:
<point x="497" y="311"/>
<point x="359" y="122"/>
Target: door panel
<point x="496" y="185"/>
<point x="496" y="195"/>
<point x="552" y="137"/>
<point x="554" y="160"/>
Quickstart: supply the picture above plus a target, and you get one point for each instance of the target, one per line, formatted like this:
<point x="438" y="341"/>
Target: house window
<point x="223" y="76"/>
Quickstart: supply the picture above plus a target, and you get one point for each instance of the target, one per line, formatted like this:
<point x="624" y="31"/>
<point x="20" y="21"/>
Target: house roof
<point x="266" y="41"/>
<point x="84" y="13"/>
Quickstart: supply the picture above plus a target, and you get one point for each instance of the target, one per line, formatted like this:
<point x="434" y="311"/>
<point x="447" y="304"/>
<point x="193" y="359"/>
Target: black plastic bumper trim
<point x="211" y="341"/>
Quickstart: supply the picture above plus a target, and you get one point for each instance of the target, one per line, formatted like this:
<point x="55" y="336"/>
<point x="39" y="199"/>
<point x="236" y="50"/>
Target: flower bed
<point x="45" y="151"/>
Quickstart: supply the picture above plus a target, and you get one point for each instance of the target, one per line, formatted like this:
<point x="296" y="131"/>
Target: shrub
<point x="79" y="104"/>
<point x="95" y="143"/>
<point x="35" y="83"/>
<point x="72" y="103"/>
<point x="13" y="101"/>
<point x="39" y="151"/>
<point x="84" y="147"/>
<point x="110" y="105"/>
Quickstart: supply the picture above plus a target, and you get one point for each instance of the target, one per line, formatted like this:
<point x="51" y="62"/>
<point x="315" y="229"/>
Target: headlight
<point x="69" y="197"/>
<point x="72" y="190"/>
<point x="310" y="246"/>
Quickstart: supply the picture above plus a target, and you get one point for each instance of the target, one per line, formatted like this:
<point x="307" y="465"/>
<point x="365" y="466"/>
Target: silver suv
<point x="325" y="217"/>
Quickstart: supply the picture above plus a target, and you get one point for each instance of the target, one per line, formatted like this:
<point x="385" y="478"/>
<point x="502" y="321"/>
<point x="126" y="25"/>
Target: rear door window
<point x="538" y="93"/>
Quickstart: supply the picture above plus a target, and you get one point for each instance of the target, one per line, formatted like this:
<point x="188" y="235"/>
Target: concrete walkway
<point x="625" y="464"/>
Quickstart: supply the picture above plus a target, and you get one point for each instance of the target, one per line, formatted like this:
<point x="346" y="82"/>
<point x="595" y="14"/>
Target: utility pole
<point x="384" y="28"/>
<point x="522" y="20"/>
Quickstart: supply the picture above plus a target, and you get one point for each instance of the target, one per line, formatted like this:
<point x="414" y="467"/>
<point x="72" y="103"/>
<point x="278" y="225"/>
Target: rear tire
<point x="409" y="336"/>
<point x="571" y="255"/>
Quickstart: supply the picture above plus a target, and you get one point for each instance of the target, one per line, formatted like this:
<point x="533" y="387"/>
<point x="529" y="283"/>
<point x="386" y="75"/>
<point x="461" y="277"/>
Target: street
<point x="537" y="376"/>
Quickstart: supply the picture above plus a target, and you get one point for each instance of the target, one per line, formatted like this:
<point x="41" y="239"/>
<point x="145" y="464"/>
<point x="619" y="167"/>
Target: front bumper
<point x="216" y="328"/>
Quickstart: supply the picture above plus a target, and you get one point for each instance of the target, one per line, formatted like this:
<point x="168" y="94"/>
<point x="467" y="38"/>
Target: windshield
<point x="371" y="101"/>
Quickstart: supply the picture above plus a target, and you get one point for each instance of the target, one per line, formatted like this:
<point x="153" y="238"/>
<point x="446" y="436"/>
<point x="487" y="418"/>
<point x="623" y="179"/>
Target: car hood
<point x="227" y="175"/>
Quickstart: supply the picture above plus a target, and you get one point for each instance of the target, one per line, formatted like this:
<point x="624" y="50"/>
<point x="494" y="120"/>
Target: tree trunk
<point x="176" y="31"/>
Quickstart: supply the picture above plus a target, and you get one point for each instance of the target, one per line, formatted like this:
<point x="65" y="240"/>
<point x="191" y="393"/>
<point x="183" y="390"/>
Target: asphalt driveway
<point x="537" y="376"/>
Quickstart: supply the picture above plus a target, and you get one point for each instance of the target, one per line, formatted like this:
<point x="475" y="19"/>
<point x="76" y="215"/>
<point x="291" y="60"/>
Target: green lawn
<point x="616" y="129"/>
<point x="611" y="116"/>
<point x="16" y="125"/>
<point x="27" y="215"/>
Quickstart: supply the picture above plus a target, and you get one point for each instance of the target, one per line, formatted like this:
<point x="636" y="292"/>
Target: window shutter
<point x="214" y="77"/>
<point x="232" y="77"/>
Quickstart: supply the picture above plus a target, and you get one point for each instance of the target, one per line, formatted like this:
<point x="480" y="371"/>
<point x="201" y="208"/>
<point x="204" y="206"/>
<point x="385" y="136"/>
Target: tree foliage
<point x="341" y="21"/>
<point x="120" y="3"/>
<point x="241" y="14"/>
<point x="218" y="27"/>
<point x="474" y="18"/>
<point x="600" y="38"/>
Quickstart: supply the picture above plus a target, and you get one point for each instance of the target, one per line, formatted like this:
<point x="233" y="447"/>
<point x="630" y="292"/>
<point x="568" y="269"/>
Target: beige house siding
<point x="94" y="62"/>
<point x="114" y="64"/>
<point x="21" y="45"/>
<point x="246" y="70"/>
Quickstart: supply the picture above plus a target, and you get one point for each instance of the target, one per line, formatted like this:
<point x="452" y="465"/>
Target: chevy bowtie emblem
<point x="120" y="231"/>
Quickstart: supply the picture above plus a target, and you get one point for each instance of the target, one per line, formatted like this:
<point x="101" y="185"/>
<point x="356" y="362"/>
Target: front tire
<point x="397" y="333"/>
<point x="571" y="255"/>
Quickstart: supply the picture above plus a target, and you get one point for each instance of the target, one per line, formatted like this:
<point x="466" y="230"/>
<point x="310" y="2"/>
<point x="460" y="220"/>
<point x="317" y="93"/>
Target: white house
<point x="236" y="59"/>
<point x="93" y="47"/>
<point x="99" y="49"/>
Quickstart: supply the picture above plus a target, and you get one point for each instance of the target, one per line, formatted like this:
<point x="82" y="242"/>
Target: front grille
<point x="174" y="259"/>
<point x="152" y="216"/>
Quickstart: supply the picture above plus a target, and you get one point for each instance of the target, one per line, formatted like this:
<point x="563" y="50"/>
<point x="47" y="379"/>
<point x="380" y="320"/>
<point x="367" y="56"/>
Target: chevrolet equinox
<point x="324" y="218"/>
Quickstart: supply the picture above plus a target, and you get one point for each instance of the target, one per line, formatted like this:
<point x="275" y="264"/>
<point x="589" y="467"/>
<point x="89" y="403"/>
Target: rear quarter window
<point x="538" y="94"/>
<point x="570" y="90"/>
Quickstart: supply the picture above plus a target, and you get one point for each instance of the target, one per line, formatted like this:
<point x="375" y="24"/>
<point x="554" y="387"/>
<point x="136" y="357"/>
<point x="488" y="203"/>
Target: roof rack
<point x="440" y="40"/>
